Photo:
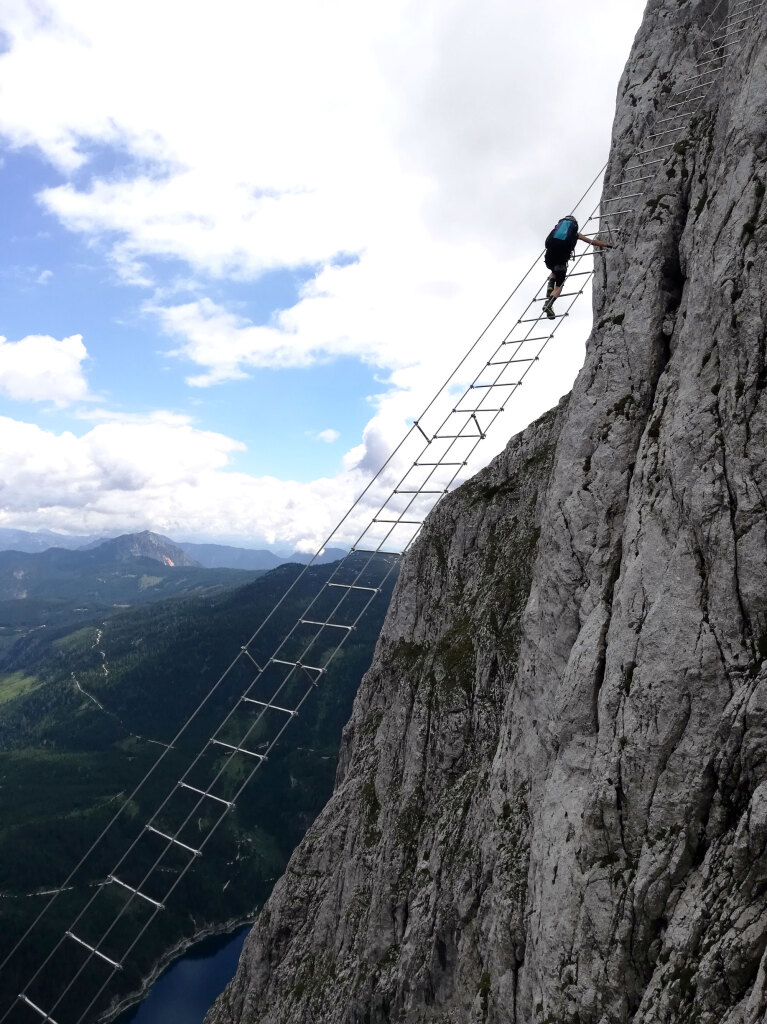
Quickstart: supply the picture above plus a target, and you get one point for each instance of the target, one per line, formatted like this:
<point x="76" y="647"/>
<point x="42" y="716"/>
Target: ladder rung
<point x="667" y="131"/>
<point x="726" y="38"/>
<point x="743" y="21"/>
<point x="581" y="273"/>
<point x="507" y="362"/>
<point x="497" y="384"/>
<point x="399" y="490"/>
<point x="176" y="842"/>
<point x="460" y="437"/>
<point x="275" y="707"/>
<point x="665" y="120"/>
<point x="621" y="199"/>
<point x="538" y="337"/>
<point x="632" y="181"/>
<point x="377" y="590"/>
<point x="43" y="1014"/>
<point x="96" y="952"/>
<point x="473" y="412"/>
<point x="745" y="17"/>
<point x="612" y="213"/>
<point x="300" y="664"/>
<point x="538" y="319"/>
<point x="202" y="792"/>
<point x="641" y="167"/>
<point x="721" y="46"/>
<point x="239" y="750"/>
<point x="684" y="96"/>
<point x="657" y="149"/>
<point x="136" y="892"/>
<point x="372" y="551"/>
<point x="720" y="42"/>
<point x="418" y="464"/>
<point x="562" y="295"/>
<point x="404" y="522"/>
<point x="711" y="71"/>
<point x="711" y="60"/>
<point x="335" y="625"/>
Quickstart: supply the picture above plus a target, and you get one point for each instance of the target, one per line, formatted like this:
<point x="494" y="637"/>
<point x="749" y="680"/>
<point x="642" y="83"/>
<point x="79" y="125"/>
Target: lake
<point x="184" y="992"/>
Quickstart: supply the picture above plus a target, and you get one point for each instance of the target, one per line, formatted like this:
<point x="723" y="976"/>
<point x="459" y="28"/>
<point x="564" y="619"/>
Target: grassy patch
<point x="13" y="684"/>
<point x="149" y="581"/>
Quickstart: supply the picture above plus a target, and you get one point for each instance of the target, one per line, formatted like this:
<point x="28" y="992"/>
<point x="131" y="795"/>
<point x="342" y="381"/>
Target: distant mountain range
<point x="48" y="588"/>
<point x="214" y="556"/>
<point x="153" y="545"/>
<point x="41" y="540"/>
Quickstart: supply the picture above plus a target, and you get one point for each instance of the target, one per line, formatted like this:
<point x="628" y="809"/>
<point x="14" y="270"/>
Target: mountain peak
<point x="144" y="545"/>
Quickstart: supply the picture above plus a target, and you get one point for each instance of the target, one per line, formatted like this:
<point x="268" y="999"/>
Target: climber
<point x="560" y="245"/>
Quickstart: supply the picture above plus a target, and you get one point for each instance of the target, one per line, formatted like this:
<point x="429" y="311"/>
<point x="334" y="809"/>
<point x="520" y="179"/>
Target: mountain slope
<point x="143" y="545"/>
<point x="38" y="540"/>
<point x="82" y="719"/>
<point x="215" y="556"/>
<point x="551" y="803"/>
<point x="46" y="586"/>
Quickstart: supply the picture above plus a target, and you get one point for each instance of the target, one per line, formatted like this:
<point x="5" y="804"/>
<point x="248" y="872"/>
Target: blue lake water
<point x="185" y="990"/>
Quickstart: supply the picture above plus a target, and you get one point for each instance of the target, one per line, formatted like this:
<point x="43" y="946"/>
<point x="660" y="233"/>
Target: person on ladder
<point x="560" y="245"/>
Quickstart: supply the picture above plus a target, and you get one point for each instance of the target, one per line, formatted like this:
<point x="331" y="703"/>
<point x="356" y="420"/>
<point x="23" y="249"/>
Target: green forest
<point x="85" y="711"/>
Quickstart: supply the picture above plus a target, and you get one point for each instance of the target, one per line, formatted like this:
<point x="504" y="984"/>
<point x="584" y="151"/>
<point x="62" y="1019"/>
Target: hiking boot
<point x="548" y="309"/>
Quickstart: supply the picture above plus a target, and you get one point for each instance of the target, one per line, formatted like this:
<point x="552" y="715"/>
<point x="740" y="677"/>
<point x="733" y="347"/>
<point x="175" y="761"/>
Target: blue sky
<point x="68" y="283"/>
<point x="241" y="247"/>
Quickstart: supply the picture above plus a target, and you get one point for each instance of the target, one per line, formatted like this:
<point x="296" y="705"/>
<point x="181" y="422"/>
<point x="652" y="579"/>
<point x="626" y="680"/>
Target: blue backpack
<point x="564" y="235"/>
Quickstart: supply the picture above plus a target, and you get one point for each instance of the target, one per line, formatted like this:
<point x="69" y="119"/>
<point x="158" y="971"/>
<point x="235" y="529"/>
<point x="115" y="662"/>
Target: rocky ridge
<point x="551" y="804"/>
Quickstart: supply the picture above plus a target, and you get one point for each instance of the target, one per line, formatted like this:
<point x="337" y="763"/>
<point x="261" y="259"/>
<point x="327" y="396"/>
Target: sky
<point x="243" y="243"/>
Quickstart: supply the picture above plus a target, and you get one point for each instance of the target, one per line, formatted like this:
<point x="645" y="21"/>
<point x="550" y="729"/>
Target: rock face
<point x="551" y="804"/>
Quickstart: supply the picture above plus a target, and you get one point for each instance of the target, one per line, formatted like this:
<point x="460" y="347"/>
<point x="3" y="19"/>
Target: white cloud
<point x="41" y="369"/>
<point x="314" y="131"/>
<point x="328" y="436"/>
<point x="433" y="140"/>
<point x="44" y="277"/>
<point x="128" y="473"/>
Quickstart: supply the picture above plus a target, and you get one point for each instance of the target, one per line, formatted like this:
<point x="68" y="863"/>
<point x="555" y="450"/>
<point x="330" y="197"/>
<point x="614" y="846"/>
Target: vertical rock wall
<point x="552" y="798"/>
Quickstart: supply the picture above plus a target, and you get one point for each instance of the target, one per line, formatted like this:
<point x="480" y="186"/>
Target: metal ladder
<point x="272" y="688"/>
<point x="665" y="129"/>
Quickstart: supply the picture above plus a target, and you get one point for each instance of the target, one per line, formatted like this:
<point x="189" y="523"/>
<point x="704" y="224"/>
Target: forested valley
<point x="88" y="702"/>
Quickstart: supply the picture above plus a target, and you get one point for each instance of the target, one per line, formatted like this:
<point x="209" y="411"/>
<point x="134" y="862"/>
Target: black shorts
<point x="556" y="262"/>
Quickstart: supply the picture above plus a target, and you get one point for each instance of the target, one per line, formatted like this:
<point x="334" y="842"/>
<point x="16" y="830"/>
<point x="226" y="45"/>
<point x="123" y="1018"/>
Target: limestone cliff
<point x="551" y="804"/>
